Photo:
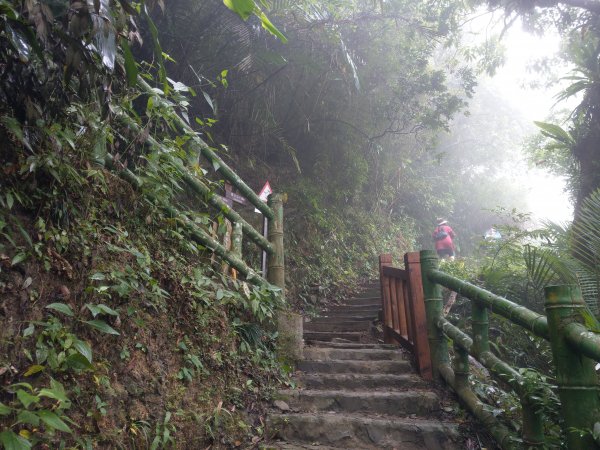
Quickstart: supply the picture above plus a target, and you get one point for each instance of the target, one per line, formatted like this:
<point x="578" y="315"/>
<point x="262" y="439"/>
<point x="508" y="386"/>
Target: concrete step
<point x="296" y="446"/>
<point x="337" y="325"/>
<point x="366" y="301"/>
<point x="348" y="318"/>
<point x="392" y="403"/>
<point x="368" y="293"/>
<point x="355" y="431"/>
<point x="354" y="309"/>
<point x="349" y="366"/>
<point x="357" y="354"/>
<point x="357" y="381"/>
<point x="329" y="335"/>
<point x="350" y="345"/>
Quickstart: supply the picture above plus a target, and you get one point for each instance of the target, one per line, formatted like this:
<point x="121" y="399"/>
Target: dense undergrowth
<point x="119" y="331"/>
<point x="331" y="249"/>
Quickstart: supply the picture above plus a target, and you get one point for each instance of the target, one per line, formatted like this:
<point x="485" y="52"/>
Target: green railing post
<point x="575" y="375"/>
<point x="237" y="236"/>
<point x="276" y="261"/>
<point x="461" y="368"/>
<point x="533" y="427"/>
<point x="480" y="325"/>
<point x="434" y="304"/>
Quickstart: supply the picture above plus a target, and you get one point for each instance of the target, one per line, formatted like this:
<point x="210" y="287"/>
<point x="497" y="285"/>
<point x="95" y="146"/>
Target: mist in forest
<point x="495" y="176"/>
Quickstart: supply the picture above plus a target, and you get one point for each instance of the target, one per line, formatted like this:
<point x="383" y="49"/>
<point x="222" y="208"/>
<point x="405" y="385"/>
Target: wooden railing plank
<point x="402" y="325"/>
<point x="395" y="272"/>
<point x="412" y="263"/>
<point x="384" y="261"/>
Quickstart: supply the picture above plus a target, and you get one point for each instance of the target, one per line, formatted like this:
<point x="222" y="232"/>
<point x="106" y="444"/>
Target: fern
<point x="571" y="255"/>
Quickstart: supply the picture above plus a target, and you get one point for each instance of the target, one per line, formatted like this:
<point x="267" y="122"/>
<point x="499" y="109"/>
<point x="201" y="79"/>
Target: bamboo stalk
<point x="434" y="303"/>
<point x="532" y="321"/>
<point x="575" y="374"/>
<point x="207" y="152"/>
<point x="204" y="191"/>
<point x="194" y="232"/>
<point x="583" y="340"/>
<point x="276" y="261"/>
<point x="501" y="434"/>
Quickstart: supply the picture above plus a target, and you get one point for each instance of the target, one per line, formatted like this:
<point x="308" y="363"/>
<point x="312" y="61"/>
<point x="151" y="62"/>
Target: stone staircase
<point x="355" y="393"/>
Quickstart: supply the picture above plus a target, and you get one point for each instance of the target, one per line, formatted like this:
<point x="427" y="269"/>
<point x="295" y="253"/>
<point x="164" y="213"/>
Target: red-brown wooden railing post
<point x="412" y="262"/>
<point x="385" y="260"/>
<point x="394" y="304"/>
<point x="401" y="308"/>
<point x="408" y="308"/>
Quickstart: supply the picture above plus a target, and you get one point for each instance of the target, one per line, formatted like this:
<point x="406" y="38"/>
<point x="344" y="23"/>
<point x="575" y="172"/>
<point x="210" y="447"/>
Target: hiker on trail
<point x="443" y="236"/>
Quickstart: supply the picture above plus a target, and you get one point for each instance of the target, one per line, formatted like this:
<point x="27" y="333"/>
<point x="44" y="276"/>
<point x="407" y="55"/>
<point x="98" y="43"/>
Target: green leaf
<point x="267" y="25"/>
<point x="4" y="410"/>
<point x="101" y="309"/>
<point x="29" y="330"/>
<point x="19" y="257"/>
<point x="61" y="307"/>
<point x="56" y="395"/>
<point x="12" y="441"/>
<point x="158" y="53"/>
<point x="31" y="370"/>
<point x="77" y="361"/>
<point x="83" y="348"/>
<point x="53" y="421"/>
<point x="208" y="100"/>
<point x="26" y="398"/>
<point x="10" y="200"/>
<point x="130" y="66"/>
<point x="28" y="417"/>
<point x="102" y="326"/>
<point x="243" y="8"/>
<point x="555" y="132"/>
<point x="98" y="276"/>
<point x="220" y="294"/>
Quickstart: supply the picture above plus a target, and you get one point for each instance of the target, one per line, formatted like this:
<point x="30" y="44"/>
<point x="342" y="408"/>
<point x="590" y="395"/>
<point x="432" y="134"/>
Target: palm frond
<point x="545" y="267"/>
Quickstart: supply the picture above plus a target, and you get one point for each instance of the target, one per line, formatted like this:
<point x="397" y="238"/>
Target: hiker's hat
<point x="442" y="222"/>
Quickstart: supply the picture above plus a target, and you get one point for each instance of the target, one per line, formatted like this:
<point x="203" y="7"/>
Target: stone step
<point x="354" y="309"/>
<point x="329" y="335"/>
<point x="349" y="318"/>
<point x="349" y="345"/>
<point x="366" y="301"/>
<point x="368" y="293"/>
<point x="355" y="431"/>
<point x="295" y="446"/>
<point x="349" y="366"/>
<point x="357" y="354"/>
<point x="392" y="403"/>
<point x="357" y="381"/>
<point x="337" y="325"/>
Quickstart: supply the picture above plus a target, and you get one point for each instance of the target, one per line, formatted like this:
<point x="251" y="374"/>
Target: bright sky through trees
<point x="545" y="193"/>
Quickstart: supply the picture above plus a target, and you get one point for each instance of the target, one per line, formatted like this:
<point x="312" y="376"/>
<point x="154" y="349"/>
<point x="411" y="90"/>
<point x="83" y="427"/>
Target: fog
<point x="545" y="193"/>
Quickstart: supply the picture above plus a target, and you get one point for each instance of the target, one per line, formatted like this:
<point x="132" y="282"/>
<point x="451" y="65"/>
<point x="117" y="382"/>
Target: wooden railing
<point x="575" y="350"/>
<point x="404" y="320"/>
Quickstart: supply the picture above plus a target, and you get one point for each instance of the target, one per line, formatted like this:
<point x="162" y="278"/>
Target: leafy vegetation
<point x="122" y="329"/>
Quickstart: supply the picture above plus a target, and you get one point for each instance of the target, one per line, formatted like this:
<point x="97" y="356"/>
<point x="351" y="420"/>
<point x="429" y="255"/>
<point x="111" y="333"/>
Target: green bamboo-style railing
<point x="273" y="210"/>
<point x="575" y="351"/>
